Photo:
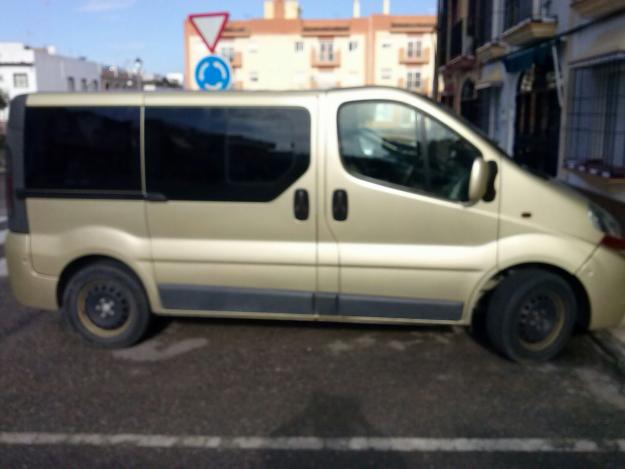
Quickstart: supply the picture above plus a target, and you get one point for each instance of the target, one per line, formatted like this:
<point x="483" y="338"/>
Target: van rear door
<point x="231" y="185"/>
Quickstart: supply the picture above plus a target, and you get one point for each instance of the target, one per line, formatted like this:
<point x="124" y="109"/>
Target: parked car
<point x="357" y="205"/>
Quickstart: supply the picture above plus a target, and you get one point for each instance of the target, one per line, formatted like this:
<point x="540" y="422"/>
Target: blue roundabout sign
<point x="213" y="73"/>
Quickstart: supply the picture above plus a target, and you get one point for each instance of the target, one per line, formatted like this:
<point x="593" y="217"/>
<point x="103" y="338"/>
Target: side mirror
<point x="480" y="178"/>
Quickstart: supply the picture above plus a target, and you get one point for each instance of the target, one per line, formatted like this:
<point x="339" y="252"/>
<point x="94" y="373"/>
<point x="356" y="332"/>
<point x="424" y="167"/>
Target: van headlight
<point x="603" y="221"/>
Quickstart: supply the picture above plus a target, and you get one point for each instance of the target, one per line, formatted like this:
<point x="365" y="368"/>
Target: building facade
<point x="27" y="70"/>
<point x="545" y="79"/>
<point x="283" y="51"/>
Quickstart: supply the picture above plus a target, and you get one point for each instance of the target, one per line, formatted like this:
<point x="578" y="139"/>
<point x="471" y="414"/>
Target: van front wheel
<point x="106" y="305"/>
<point x="531" y="315"/>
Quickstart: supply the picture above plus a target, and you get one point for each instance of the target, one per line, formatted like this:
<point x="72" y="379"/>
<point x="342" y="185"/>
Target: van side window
<point x="80" y="148"/>
<point x="225" y="154"/>
<point x="397" y="145"/>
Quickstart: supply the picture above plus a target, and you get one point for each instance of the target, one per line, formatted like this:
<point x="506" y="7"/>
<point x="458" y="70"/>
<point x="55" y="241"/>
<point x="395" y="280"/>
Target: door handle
<point x="300" y="204"/>
<point x="339" y="205"/>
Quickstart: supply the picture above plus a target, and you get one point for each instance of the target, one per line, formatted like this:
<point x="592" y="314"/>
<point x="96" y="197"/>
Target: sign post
<point x="212" y="73"/>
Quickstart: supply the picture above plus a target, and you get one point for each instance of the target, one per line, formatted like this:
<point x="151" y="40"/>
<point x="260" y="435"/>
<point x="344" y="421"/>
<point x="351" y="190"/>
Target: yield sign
<point x="210" y="27"/>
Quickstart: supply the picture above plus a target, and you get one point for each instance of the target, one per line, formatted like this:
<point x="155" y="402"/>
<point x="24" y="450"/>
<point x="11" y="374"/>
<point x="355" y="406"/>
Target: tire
<point x="106" y="305"/>
<point x="531" y="315"/>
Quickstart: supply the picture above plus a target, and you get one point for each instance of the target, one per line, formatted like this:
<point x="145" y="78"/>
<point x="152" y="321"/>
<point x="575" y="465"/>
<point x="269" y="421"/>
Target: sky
<point x="116" y="32"/>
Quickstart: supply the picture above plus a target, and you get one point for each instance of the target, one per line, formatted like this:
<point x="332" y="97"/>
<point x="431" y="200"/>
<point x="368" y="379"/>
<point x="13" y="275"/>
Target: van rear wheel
<point x="531" y="315"/>
<point x="106" y="305"/>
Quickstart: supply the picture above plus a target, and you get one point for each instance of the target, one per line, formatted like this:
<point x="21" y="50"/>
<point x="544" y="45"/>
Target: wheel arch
<point x="493" y="280"/>
<point x="80" y="263"/>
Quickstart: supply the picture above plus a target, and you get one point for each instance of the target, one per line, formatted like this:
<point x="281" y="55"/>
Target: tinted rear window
<point x="76" y="148"/>
<point x="225" y="154"/>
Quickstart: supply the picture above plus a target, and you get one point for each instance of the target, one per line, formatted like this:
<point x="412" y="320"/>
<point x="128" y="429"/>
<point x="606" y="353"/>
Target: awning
<point x="523" y="59"/>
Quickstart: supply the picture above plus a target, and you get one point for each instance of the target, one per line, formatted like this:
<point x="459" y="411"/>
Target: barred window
<point x="596" y="119"/>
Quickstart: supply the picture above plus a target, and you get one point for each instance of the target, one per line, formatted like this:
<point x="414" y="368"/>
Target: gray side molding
<point x="260" y="300"/>
<point x="18" y="219"/>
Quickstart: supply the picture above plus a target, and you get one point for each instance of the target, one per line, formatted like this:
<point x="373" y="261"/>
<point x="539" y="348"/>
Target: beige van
<point x="356" y="205"/>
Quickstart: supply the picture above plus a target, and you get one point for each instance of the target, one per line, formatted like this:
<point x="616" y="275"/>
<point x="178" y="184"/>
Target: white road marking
<point x="454" y="445"/>
<point x="3" y="268"/>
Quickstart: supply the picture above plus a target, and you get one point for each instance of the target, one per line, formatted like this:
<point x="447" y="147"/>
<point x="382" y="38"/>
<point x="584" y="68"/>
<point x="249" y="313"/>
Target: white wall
<point x="53" y="72"/>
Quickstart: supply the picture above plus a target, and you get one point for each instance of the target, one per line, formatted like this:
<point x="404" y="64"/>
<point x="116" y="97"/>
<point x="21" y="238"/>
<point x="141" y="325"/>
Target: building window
<point x="413" y="80"/>
<point x="483" y="108"/>
<point x="516" y="11"/>
<point x="83" y="85"/>
<point x="327" y="51"/>
<point x="595" y="130"/>
<point x="353" y="45"/>
<point x="386" y="74"/>
<point x="415" y="49"/>
<point x="254" y="76"/>
<point x="299" y="46"/>
<point x="71" y="84"/>
<point x="20" y="80"/>
<point x="386" y="45"/>
<point x="94" y="85"/>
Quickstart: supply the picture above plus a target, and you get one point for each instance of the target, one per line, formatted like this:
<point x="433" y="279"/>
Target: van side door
<point x="232" y="210"/>
<point x="410" y="245"/>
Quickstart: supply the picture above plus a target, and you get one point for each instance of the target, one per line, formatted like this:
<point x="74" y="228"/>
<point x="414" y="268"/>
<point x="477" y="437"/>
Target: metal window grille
<point x="595" y="129"/>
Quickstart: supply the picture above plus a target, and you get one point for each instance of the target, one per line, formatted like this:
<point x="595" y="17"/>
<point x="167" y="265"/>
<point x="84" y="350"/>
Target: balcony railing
<point x="516" y="11"/>
<point x="596" y="8"/>
<point x="422" y="57"/>
<point x="236" y="60"/>
<point x="325" y="61"/>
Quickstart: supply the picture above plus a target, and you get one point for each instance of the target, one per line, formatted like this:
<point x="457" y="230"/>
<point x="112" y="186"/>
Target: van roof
<point x="136" y="97"/>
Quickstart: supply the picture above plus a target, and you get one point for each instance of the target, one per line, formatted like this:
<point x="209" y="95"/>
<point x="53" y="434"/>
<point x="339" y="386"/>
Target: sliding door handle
<point x="339" y="205"/>
<point x="301" y="205"/>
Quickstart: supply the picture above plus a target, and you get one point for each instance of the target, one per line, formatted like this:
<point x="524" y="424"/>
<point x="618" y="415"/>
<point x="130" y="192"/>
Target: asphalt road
<point x="412" y="396"/>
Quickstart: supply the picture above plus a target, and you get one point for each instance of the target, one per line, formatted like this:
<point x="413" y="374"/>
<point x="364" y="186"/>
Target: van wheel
<point x="531" y="315"/>
<point x="106" y="305"/>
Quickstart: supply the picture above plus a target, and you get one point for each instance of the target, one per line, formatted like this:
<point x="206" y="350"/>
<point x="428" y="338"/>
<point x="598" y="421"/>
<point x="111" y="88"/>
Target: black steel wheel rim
<point x="107" y="305"/>
<point x="540" y="318"/>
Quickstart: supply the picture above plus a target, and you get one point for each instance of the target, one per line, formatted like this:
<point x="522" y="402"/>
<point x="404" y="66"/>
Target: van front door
<point x="232" y="213"/>
<point x="410" y="245"/>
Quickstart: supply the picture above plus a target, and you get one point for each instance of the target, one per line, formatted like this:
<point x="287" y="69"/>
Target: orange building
<point x="284" y="51"/>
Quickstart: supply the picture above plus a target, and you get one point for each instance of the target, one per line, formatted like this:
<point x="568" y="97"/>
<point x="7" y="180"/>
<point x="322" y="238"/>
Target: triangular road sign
<point x="210" y="27"/>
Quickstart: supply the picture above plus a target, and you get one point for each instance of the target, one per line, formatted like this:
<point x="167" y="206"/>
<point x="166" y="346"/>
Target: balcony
<point x="528" y="31"/>
<point x="461" y="52"/>
<point x="490" y="51"/>
<point x="523" y="24"/>
<point x="597" y="8"/>
<point x="326" y="61"/>
<point x="414" y="59"/>
<point x="236" y="60"/>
